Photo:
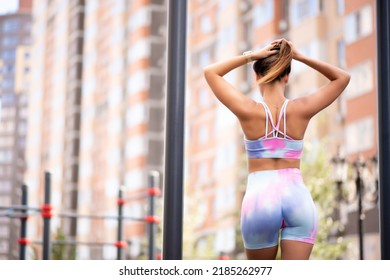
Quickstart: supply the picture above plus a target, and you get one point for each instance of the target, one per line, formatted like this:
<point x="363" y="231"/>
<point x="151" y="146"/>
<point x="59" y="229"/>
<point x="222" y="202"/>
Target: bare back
<point x="254" y="128"/>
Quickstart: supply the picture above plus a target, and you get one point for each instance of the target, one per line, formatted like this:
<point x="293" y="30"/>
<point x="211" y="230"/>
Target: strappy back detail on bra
<point x="271" y="145"/>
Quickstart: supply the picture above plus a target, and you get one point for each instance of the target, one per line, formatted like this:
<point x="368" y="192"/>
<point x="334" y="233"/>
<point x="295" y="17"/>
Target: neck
<point x="273" y="92"/>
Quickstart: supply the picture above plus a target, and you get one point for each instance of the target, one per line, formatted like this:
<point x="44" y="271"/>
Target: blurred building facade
<point x="339" y="32"/>
<point x="15" y="39"/>
<point x="213" y="145"/>
<point x="360" y="118"/>
<point x="99" y="92"/>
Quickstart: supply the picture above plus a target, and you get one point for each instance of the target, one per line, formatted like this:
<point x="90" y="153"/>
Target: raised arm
<point x="230" y="96"/>
<point x="322" y="98"/>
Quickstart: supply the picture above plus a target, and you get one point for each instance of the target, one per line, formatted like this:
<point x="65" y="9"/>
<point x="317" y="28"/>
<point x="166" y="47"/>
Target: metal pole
<point x="359" y="190"/>
<point x="338" y="208"/>
<point x="46" y="214"/>
<point x="174" y="131"/>
<point x="154" y="178"/>
<point x="383" y="60"/>
<point x="119" y="243"/>
<point x="23" y="225"/>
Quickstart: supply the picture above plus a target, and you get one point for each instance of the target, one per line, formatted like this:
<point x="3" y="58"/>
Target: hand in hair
<point x="294" y="51"/>
<point x="264" y="52"/>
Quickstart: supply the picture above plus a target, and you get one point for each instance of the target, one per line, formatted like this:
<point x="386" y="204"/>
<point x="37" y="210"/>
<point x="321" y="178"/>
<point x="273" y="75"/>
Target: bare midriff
<point x="258" y="164"/>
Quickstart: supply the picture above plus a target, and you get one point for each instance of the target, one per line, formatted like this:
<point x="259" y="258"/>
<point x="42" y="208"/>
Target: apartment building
<point x="123" y="115"/>
<point x="99" y="86"/>
<point x="15" y="68"/>
<point x="360" y="116"/>
<point x="213" y="146"/>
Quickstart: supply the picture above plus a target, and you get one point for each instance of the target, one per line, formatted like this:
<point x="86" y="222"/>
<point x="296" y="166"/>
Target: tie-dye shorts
<point x="274" y="200"/>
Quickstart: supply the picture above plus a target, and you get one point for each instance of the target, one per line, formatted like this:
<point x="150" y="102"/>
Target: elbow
<point x="347" y="78"/>
<point x="206" y="71"/>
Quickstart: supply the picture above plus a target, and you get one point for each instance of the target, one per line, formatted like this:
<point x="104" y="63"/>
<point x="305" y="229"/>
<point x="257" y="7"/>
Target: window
<point x="340" y="7"/>
<point x="136" y="247"/>
<point x="224" y="118"/>
<point x="4" y="232"/>
<point x="7" y="99"/>
<point x="8" y="55"/>
<point x="5" y="186"/>
<point x="204" y="58"/>
<point x="11" y="25"/>
<point x="203" y="134"/>
<point x="222" y="5"/>
<point x="7" y="84"/>
<point x="4" y="246"/>
<point x="360" y="135"/>
<point x="109" y="253"/>
<point x="135" y="210"/>
<point x="204" y="97"/>
<point x="8" y="69"/>
<point x="137" y="82"/>
<point x="358" y="24"/>
<point x="5" y="200"/>
<point x="134" y="179"/>
<point x="263" y="13"/>
<point x="226" y="36"/>
<point x="136" y="115"/>
<point x="113" y="156"/>
<point x="135" y="146"/>
<point x="341" y="53"/>
<point x="202" y="172"/>
<point x="315" y="49"/>
<point x="225" y="157"/>
<point x="225" y="240"/>
<point x="22" y="128"/>
<point x="10" y="41"/>
<point x="225" y="200"/>
<point x="119" y="7"/>
<point x="304" y="9"/>
<point x="362" y="80"/>
<point x="206" y="25"/>
<point x="139" y="19"/>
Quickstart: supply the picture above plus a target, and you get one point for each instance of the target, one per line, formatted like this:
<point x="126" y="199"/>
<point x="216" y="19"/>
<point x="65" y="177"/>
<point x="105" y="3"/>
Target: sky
<point x="8" y="6"/>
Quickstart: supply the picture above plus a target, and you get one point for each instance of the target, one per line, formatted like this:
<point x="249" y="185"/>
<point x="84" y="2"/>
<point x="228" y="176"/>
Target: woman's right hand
<point x="264" y="52"/>
<point x="295" y="54"/>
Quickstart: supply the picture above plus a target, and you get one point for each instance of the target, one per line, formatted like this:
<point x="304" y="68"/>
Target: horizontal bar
<point x="20" y="208"/>
<point x="74" y="242"/>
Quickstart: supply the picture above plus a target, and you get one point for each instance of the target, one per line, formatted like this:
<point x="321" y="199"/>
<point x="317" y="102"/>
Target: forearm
<point x="329" y="71"/>
<point x="223" y="67"/>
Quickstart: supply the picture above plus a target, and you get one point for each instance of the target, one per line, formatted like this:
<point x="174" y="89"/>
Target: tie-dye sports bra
<point x="272" y="146"/>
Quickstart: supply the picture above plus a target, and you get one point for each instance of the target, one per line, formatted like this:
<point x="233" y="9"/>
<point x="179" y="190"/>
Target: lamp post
<point x="340" y="172"/>
<point x="375" y="172"/>
<point x="359" y="165"/>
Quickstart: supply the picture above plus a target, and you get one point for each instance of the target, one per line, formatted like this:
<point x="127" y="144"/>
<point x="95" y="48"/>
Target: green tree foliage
<point x="317" y="174"/>
<point x="61" y="250"/>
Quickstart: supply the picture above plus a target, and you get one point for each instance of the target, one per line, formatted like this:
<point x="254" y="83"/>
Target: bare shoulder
<point x="253" y="111"/>
<point x="298" y="107"/>
<point x="295" y="105"/>
<point x="297" y="120"/>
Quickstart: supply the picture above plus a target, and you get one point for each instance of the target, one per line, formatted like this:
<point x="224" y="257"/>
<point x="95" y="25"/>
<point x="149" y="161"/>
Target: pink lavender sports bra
<point x="272" y="146"/>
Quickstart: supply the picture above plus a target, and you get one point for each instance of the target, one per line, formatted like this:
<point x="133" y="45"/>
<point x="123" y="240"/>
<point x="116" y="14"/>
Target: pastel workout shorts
<point x="274" y="200"/>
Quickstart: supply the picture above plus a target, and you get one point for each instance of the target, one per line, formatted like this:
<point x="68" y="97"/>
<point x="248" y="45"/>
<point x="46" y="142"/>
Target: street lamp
<point x="340" y="173"/>
<point x="359" y="166"/>
<point x="372" y="194"/>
